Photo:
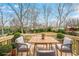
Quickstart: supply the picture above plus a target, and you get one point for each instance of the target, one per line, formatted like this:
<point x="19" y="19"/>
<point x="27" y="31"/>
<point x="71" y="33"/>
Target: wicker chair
<point x="65" y="47"/>
<point x="22" y="46"/>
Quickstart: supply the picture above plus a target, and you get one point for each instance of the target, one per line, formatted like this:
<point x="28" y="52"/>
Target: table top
<point x="39" y="40"/>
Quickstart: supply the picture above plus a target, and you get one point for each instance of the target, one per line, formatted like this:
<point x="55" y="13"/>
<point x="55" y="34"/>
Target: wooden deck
<point x="32" y="47"/>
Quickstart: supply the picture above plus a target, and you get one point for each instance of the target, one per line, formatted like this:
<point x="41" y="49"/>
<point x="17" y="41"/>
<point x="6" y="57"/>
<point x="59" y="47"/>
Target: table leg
<point x="46" y="46"/>
<point x="56" y="50"/>
<point x="34" y="49"/>
<point x="50" y="46"/>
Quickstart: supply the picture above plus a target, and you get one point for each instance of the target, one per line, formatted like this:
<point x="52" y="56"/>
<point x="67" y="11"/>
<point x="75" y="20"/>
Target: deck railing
<point x="5" y="40"/>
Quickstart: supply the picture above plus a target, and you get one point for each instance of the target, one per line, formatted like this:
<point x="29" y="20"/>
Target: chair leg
<point x="71" y="53"/>
<point x="65" y="54"/>
<point x="34" y="49"/>
<point x="27" y="53"/>
<point x="17" y="53"/>
<point x="21" y="53"/>
<point x="60" y="53"/>
<point x="57" y="52"/>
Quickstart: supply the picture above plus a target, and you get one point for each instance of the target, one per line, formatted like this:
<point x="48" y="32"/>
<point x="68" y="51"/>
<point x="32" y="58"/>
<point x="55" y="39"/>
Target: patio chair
<point x="22" y="46"/>
<point x="66" y="46"/>
<point x="45" y="52"/>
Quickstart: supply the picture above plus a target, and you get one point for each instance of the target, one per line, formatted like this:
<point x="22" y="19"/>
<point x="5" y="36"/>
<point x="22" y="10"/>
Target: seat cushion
<point x="25" y="47"/>
<point x="64" y="48"/>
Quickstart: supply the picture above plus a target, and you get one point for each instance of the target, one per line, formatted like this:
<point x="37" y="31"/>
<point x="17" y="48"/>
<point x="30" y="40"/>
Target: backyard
<point x="47" y="30"/>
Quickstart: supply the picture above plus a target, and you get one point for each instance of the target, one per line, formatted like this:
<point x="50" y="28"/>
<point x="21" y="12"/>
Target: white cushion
<point x="19" y="40"/>
<point x="67" y="40"/>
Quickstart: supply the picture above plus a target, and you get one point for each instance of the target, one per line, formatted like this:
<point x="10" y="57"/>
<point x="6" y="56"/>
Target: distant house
<point x="73" y="28"/>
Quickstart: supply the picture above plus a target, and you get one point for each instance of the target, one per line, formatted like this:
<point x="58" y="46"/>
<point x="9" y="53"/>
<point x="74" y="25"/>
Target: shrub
<point x="54" y="31"/>
<point x="37" y="30"/>
<point x="60" y="35"/>
<point x="5" y="49"/>
<point x="13" y="45"/>
<point x="49" y="29"/>
<point x="61" y="31"/>
<point x="41" y="30"/>
<point x="17" y="34"/>
<point x="18" y="30"/>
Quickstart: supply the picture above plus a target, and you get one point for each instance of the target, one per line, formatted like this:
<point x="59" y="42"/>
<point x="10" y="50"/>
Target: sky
<point x="8" y="12"/>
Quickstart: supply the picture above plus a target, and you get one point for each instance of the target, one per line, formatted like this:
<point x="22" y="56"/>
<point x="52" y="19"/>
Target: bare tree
<point x="14" y="24"/>
<point x="34" y="15"/>
<point x="72" y="22"/>
<point x="2" y="21"/>
<point x="63" y="11"/>
<point x="20" y="12"/>
<point x="47" y="11"/>
<point x="78" y="22"/>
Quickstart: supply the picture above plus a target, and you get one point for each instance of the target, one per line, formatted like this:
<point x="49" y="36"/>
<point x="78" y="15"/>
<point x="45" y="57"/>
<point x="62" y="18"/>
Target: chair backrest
<point x="67" y="40"/>
<point x="19" y="40"/>
<point x="47" y="53"/>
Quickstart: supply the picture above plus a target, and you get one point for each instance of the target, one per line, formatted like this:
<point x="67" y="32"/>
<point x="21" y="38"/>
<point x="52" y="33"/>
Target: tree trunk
<point x="2" y="31"/>
<point x="22" y="29"/>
